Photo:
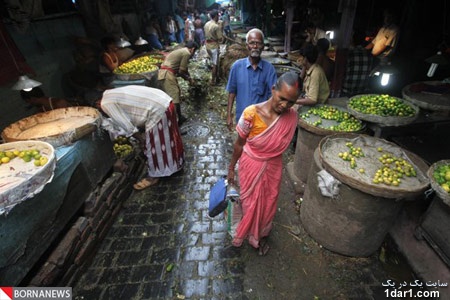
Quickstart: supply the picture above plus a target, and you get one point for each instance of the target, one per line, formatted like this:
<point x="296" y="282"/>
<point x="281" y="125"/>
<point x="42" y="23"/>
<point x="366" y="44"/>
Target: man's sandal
<point x="145" y="183"/>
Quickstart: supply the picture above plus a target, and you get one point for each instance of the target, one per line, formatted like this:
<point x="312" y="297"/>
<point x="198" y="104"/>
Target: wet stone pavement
<point x="163" y="244"/>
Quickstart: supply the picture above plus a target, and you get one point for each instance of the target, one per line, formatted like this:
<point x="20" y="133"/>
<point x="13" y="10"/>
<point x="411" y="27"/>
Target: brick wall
<point x="72" y="253"/>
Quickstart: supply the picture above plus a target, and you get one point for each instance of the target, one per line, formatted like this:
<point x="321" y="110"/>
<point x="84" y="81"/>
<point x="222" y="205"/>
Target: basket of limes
<point x="382" y="109"/>
<point x="138" y="68"/>
<point x="325" y="119"/>
<point x="439" y="174"/>
<point x="123" y="148"/>
<point x="25" y="168"/>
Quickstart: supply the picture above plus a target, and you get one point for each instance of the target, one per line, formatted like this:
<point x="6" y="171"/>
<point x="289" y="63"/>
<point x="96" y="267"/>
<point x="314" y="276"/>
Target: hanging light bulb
<point x="140" y="41"/>
<point x="25" y="83"/>
<point x="385" y="79"/>
<point x="385" y="70"/>
<point x="432" y="69"/>
<point x="330" y="34"/>
<point x="435" y="61"/>
<point x="123" y="43"/>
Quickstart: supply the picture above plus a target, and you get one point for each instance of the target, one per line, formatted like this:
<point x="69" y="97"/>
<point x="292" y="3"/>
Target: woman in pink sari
<point x="265" y="130"/>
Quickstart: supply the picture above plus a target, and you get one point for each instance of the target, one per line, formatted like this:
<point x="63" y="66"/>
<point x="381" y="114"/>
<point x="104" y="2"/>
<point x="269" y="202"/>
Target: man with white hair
<point x="251" y="78"/>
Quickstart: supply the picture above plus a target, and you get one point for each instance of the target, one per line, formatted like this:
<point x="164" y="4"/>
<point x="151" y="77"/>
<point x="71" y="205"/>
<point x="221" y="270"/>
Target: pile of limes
<point x="122" y="147"/>
<point x="139" y="65"/>
<point x="381" y="105"/>
<point x="391" y="172"/>
<point x="344" y="120"/>
<point x="442" y="176"/>
<point x="27" y="156"/>
<point x="351" y="155"/>
<point x="393" y="169"/>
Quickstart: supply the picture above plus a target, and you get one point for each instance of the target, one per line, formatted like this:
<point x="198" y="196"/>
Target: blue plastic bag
<point x="218" y="198"/>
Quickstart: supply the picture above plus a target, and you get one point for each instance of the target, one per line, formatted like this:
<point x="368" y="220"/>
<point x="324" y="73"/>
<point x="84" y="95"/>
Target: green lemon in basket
<point x="446" y="187"/>
<point x="447" y="175"/>
<point x="26" y="158"/>
<point x="37" y="156"/>
<point x="9" y="154"/>
<point x="43" y="160"/>
<point x="37" y="162"/>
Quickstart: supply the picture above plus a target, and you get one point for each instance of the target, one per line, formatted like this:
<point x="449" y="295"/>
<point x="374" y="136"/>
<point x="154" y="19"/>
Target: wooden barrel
<point x="354" y="223"/>
<point x="356" y="220"/>
<point x="307" y="142"/>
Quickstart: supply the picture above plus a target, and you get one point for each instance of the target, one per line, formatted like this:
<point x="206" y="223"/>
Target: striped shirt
<point x="135" y="106"/>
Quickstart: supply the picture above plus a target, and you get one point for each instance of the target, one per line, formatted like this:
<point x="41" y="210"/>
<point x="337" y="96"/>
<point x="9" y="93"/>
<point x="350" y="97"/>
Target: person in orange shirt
<point x="385" y="42"/>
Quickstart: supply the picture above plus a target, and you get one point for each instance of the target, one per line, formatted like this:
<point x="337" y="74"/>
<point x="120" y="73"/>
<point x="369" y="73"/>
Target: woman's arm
<point x="237" y="152"/>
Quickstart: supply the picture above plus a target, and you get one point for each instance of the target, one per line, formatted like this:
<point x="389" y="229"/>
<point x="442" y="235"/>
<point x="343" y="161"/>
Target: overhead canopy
<point x="213" y="5"/>
<point x="223" y="2"/>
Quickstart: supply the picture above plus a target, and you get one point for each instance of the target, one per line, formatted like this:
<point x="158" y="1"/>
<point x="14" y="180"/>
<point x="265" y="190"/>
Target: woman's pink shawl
<point x="260" y="170"/>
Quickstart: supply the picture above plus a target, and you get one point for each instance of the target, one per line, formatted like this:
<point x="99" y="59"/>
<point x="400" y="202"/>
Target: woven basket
<point x="410" y="187"/>
<point x="425" y="99"/>
<point x="319" y="130"/>
<point x="386" y="121"/>
<point x="276" y="38"/>
<point x="278" y="61"/>
<point x="293" y="55"/>
<point x="281" y="69"/>
<point x="436" y="187"/>
<point x="130" y="77"/>
<point x="56" y="127"/>
<point x="20" y="180"/>
<point x="266" y="54"/>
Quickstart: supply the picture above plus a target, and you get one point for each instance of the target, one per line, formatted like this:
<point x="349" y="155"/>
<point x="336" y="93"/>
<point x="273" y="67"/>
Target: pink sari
<point x="260" y="170"/>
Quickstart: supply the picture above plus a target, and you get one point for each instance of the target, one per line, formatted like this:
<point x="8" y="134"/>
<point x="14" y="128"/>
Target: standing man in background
<point x="176" y="64"/>
<point x="213" y="36"/>
<point x="180" y="34"/>
<point x="357" y="68"/>
<point x="251" y="78"/>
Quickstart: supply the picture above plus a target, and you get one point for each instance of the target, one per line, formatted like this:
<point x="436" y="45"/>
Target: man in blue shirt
<point x="251" y="78"/>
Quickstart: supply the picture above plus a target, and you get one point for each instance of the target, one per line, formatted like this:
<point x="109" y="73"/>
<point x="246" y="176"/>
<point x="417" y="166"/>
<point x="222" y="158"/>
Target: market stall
<point x="79" y="156"/>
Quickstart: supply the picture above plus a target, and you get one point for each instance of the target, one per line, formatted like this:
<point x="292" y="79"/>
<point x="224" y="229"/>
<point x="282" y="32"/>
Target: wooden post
<point x="289" y="8"/>
<point x="348" y="8"/>
<point x="268" y="17"/>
